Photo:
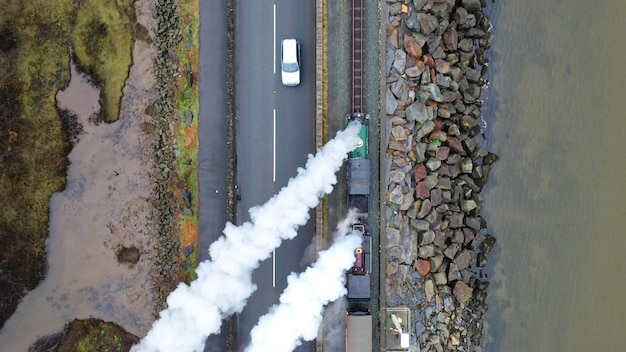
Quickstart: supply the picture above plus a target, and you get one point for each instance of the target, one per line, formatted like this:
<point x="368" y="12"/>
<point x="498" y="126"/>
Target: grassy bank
<point x="35" y="37"/>
<point x="187" y="166"/>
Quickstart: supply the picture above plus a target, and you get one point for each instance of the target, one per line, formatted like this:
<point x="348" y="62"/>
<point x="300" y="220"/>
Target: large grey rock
<point x="468" y="205"/>
<point x="471" y="5"/>
<point x="413" y="71"/>
<point x="426" y="251"/>
<point x="412" y="212"/>
<point x="390" y="103"/>
<point x="440" y="279"/>
<point x="424" y="209"/>
<point x="433" y="92"/>
<point x="427" y="22"/>
<point x="393" y="237"/>
<point x="475" y="222"/>
<point x="453" y="273"/>
<point x="420" y="151"/>
<point x="435" y="262"/>
<point x="420" y="225"/>
<point x="436" y="196"/>
<point x="396" y="176"/>
<point x="417" y="112"/>
<point x="462" y="292"/>
<point x="433" y="41"/>
<point x="400" y="89"/>
<point x="427" y="237"/>
<point x="433" y="164"/>
<point x="463" y="259"/>
<point x="409" y="247"/>
<point x="466" y="44"/>
<point x="439" y="9"/>
<point x="399" y="61"/>
<point x="442" y="66"/>
<point x="473" y="75"/>
<point x="412" y="23"/>
<point x="466" y="165"/>
<point x="419" y="4"/>
<point x="396" y="196"/>
<point x="424" y="129"/>
<point x="407" y="201"/>
<point x="451" y="250"/>
<point x="444" y="82"/>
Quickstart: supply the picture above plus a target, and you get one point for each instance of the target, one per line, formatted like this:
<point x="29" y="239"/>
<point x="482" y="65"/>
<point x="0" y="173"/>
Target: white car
<point x="290" y="62"/>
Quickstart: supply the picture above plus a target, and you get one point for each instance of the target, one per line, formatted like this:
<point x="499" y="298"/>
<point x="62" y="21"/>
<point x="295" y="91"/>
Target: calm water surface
<point x="557" y="198"/>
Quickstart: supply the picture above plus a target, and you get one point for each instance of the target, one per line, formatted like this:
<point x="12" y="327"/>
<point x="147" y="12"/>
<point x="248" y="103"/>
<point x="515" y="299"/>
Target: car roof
<point x="290" y="44"/>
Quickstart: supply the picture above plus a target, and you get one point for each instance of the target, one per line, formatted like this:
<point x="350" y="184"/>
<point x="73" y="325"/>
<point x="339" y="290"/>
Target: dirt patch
<point x="128" y="255"/>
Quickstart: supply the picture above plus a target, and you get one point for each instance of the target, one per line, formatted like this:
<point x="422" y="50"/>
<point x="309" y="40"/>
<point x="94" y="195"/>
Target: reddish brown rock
<point x="422" y="190"/>
<point x="412" y="47"/>
<point x="451" y="39"/>
<point x="393" y="38"/>
<point x="422" y="266"/>
<point x="428" y="61"/>
<point x="456" y="145"/>
<point x="418" y="172"/>
<point x="439" y="122"/>
<point x="397" y="145"/>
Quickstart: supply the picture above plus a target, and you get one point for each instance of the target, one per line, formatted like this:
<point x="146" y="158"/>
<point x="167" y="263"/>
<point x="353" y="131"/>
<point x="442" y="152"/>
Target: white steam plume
<point x="224" y="283"/>
<point x="299" y="314"/>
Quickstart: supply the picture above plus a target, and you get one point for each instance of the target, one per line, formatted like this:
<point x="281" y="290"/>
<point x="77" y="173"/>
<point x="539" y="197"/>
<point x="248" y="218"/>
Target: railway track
<point x="357" y="55"/>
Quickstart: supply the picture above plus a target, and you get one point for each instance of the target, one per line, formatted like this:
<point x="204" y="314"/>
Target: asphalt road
<point x="275" y="132"/>
<point x="212" y="125"/>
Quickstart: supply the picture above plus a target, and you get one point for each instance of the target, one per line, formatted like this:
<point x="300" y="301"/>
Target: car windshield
<point x="290" y="67"/>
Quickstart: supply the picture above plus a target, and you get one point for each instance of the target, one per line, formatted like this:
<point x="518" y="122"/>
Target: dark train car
<point x="358" y="168"/>
<point x="358" y="281"/>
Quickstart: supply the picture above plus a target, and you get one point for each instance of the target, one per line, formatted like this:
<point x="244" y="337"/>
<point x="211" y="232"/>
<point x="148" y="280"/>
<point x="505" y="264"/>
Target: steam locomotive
<point x="358" y="283"/>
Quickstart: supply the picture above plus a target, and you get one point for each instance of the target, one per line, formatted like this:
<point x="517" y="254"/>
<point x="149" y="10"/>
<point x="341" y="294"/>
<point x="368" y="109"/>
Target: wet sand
<point x="106" y="205"/>
<point x="557" y="201"/>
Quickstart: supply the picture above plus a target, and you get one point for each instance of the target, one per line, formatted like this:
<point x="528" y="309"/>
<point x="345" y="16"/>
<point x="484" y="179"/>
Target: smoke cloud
<point x="224" y="283"/>
<point x="299" y="314"/>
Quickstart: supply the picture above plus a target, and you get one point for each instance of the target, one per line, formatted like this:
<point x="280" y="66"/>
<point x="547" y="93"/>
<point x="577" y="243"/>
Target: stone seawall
<point x="436" y="243"/>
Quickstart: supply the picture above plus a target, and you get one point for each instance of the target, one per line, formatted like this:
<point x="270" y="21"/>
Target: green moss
<point x="102" y="40"/>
